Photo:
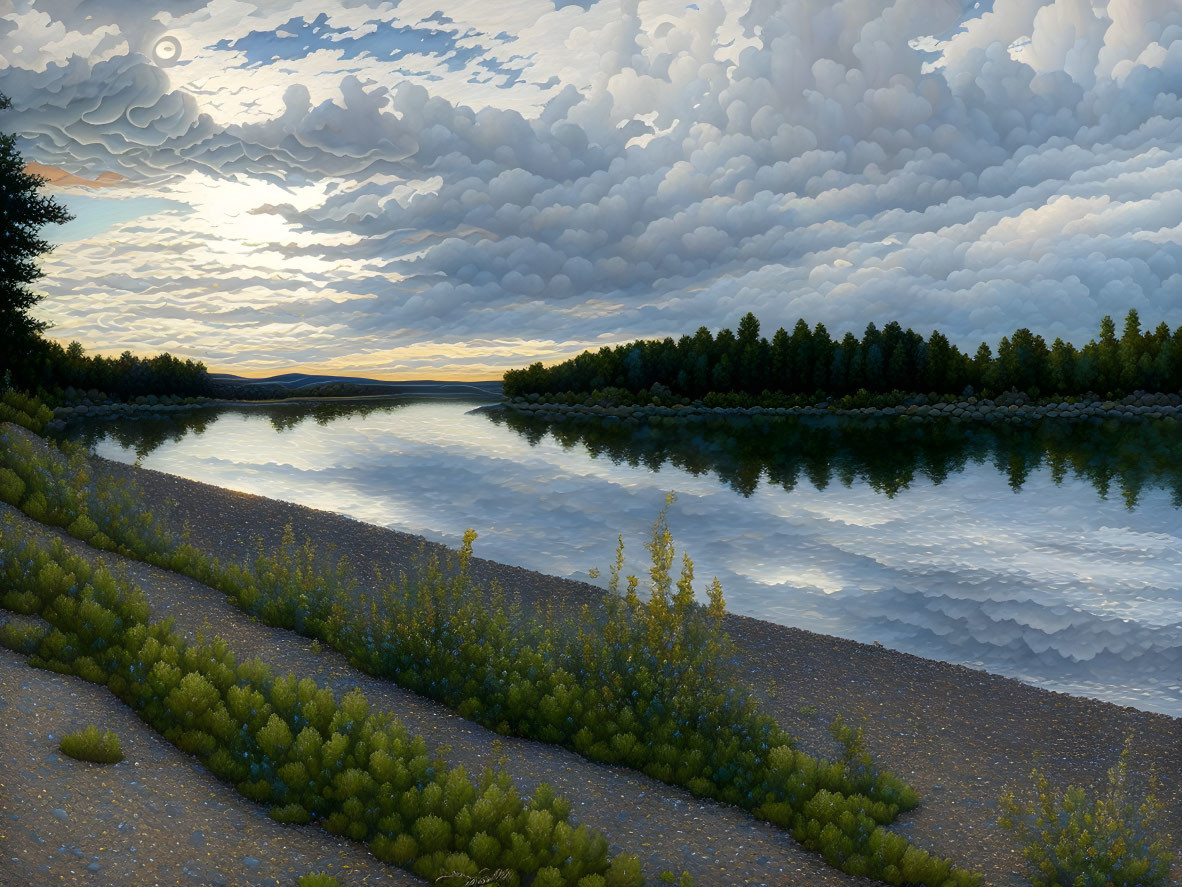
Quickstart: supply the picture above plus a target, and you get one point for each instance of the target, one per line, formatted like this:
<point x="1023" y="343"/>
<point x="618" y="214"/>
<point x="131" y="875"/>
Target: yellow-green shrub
<point x="93" y="744"/>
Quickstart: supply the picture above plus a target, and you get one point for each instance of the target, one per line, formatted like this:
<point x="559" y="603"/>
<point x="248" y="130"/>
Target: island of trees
<point x="810" y="362"/>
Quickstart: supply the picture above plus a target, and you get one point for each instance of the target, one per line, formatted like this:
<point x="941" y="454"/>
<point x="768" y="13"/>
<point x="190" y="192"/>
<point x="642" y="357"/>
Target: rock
<point x="250" y="862"/>
<point x="60" y="814"/>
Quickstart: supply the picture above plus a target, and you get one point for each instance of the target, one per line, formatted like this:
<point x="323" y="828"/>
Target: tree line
<point x="30" y="361"/>
<point x="50" y="369"/>
<point x="809" y="361"/>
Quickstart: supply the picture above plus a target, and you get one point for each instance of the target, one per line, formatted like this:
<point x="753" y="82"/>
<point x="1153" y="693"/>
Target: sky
<point x="395" y="190"/>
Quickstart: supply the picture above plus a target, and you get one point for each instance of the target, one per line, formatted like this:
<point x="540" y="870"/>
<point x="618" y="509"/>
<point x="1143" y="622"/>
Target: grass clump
<point x="93" y="744"/>
<point x="317" y="879"/>
<point x="1072" y="838"/>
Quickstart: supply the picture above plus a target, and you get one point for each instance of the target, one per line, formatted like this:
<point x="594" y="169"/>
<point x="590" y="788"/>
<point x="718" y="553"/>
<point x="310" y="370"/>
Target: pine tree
<point x="23" y="212"/>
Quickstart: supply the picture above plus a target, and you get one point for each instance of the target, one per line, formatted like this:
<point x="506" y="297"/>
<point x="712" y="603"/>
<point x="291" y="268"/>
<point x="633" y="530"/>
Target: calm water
<point x="1050" y="553"/>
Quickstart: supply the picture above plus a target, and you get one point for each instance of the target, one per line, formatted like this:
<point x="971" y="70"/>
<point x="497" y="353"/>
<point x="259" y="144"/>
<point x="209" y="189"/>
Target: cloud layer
<point x="377" y="191"/>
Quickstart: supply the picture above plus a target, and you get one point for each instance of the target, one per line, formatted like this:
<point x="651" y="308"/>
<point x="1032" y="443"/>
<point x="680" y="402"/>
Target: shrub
<point x="1072" y="838"/>
<point x="93" y="744"/>
<point x="22" y="637"/>
<point x="24" y="409"/>
<point x="12" y="488"/>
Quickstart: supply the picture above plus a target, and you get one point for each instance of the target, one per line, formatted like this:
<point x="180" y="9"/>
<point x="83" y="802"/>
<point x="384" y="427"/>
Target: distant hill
<point x="290" y="384"/>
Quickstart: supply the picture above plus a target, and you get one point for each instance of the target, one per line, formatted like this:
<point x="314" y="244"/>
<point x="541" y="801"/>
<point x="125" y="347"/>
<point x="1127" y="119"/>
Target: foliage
<point x="23" y="409"/>
<point x="809" y="362"/>
<point x="648" y="684"/>
<point x="1071" y="838"/>
<point x="93" y="744"/>
<point x="317" y="879"/>
<point x="61" y="372"/>
<point x="21" y="636"/>
<point x="23" y="213"/>
<point x="289" y="742"/>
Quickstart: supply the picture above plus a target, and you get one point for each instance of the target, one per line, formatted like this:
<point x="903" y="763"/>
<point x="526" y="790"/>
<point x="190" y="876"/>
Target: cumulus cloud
<point x="817" y="171"/>
<point x="846" y="162"/>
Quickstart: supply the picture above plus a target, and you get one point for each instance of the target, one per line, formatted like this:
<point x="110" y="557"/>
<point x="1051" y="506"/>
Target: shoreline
<point x="1005" y="408"/>
<point x="961" y="736"/>
<point x="64" y="414"/>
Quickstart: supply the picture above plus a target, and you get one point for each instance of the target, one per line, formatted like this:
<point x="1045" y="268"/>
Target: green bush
<point x="22" y="637"/>
<point x="93" y="744"/>
<point x="23" y="409"/>
<point x="317" y="880"/>
<point x="1072" y="838"/>
<point x="12" y="488"/>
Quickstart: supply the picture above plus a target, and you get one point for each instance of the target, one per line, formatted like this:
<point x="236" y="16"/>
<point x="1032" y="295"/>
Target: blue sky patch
<point x="388" y="41"/>
<point x="94" y="215"/>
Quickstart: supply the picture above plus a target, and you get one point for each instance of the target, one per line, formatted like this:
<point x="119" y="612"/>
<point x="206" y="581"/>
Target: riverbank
<point x="959" y="736"/>
<point x="1007" y="408"/>
<point x="156" y="406"/>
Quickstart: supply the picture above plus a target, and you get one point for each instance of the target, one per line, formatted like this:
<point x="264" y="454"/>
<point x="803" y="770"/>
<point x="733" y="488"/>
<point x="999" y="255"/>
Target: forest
<point x="51" y="370"/>
<point x="809" y="361"/>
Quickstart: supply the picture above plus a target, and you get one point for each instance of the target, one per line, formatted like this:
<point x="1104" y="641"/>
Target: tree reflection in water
<point x="888" y="455"/>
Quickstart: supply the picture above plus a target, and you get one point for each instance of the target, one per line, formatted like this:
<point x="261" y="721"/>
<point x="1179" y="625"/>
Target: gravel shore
<point x="959" y="736"/>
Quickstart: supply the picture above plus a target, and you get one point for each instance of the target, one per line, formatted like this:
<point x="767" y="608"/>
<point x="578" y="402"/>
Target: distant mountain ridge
<point x="287" y="384"/>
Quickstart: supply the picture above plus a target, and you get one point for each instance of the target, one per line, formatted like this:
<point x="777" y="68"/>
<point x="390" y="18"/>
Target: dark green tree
<point x="1108" y="356"/>
<point x="1131" y="349"/>
<point x="23" y="213"/>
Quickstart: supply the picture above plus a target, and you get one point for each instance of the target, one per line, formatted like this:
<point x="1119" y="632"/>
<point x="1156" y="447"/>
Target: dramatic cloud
<point x="375" y="181"/>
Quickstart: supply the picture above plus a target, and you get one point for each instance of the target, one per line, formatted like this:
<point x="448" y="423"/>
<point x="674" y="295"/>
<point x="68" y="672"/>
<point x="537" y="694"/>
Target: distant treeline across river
<point x="809" y="362"/>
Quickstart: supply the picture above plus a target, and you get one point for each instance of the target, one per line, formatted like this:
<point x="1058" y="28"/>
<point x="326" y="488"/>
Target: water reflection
<point x="993" y="547"/>
<point x="145" y="431"/>
<point x="888" y="455"/>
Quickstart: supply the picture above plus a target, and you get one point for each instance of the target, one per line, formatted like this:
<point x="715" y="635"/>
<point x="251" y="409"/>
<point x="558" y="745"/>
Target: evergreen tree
<point x="779" y="360"/>
<point x="1132" y="346"/>
<point x="1108" y="357"/>
<point x="23" y="213"/>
